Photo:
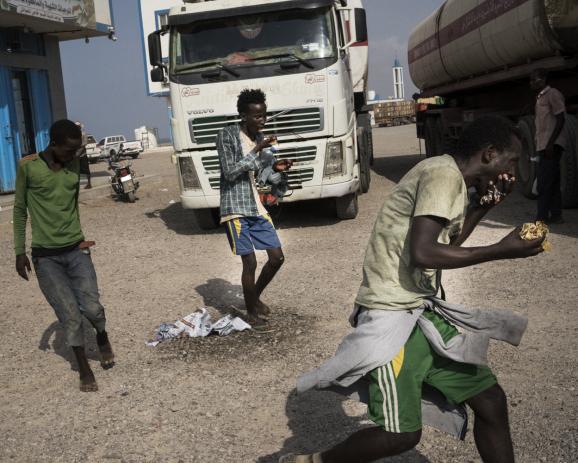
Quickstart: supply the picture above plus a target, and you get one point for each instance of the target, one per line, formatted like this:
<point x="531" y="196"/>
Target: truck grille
<point x="298" y="154"/>
<point x="204" y="130"/>
<point x="296" y="178"/>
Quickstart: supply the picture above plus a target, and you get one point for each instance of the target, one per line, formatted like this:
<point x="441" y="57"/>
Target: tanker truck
<point x="310" y="59"/>
<point x="477" y="55"/>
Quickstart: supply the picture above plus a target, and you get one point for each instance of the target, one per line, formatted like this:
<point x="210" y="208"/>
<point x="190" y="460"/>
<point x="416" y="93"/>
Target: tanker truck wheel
<point x="207" y="219"/>
<point x="569" y="165"/>
<point x="526" y="169"/>
<point x="433" y="137"/>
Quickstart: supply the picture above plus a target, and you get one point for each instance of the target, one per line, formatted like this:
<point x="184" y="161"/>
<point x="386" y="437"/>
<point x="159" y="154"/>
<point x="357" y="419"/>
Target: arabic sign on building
<point x="78" y="12"/>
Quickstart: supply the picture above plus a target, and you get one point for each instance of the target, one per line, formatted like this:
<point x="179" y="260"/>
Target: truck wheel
<point x="363" y="120"/>
<point x="526" y="169"/>
<point x="433" y="137"/>
<point x="364" y="163"/>
<point x="347" y="207"/>
<point x="569" y="165"/>
<point x="207" y="219"/>
<point x="134" y="156"/>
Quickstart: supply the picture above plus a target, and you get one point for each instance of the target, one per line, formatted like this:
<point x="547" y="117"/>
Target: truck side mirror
<point x="360" y="25"/>
<point x="157" y="74"/>
<point x="155" y="51"/>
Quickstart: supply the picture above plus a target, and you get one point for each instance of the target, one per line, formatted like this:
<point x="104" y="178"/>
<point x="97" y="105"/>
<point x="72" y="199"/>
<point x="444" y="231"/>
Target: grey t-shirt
<point x="435" y="187"/>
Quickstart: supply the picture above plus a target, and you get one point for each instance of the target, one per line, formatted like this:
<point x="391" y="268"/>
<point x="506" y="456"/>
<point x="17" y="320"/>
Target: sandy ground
<point x="232" y="399"/>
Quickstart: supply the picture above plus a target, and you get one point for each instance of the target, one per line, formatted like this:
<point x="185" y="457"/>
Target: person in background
<point x="550" y="116"/>
<point x="47" y="188"/>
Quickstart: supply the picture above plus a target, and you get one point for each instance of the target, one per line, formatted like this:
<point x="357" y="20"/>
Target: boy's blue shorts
<point x="246" y="234"/>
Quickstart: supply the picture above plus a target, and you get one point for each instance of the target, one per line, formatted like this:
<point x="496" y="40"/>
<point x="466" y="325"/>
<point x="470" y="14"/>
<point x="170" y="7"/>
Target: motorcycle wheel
<point x="131" y="197"/>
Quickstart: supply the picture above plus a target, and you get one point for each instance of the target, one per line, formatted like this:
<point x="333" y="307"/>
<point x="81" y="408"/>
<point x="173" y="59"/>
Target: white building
<point x="398" y="85"/>
<point x="31" y="84"/>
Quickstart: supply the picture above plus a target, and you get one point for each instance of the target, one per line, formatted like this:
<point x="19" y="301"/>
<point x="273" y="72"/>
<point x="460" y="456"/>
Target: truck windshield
<point x="268" y="38"/>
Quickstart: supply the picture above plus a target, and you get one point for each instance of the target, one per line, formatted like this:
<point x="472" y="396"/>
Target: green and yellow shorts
<point x="395" y="389"/>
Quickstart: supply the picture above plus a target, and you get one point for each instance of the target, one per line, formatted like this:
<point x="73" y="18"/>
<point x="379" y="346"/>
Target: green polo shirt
<point x="51" y="200"/>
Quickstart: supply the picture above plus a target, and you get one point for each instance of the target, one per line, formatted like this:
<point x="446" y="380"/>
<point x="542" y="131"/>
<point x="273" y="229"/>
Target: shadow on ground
<point x="315" y="213"/>
<point x="394" y="168"/>
<point x="221" y="295"/>
<point x="317" y="422"/>
<point x="55" y="332"/>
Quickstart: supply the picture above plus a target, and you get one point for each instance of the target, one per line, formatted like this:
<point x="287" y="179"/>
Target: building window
<point x="163" y="19"/>
<point x="20" y="40"/>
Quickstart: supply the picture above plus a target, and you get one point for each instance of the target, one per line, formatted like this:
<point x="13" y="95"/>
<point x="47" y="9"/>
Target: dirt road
<point x="231" y="399"/>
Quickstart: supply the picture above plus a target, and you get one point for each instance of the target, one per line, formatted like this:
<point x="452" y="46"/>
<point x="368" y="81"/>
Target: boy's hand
<point x="23" y="266"/>
<point x="498" y="191"/>
<point x="265" y="143"/>
<point x="282" y="165"/>
<point x="514" y="247"/>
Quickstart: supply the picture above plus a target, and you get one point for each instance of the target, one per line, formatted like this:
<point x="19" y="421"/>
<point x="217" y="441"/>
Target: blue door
<point x="41" y="108"/>
<point x="9" y="137"/>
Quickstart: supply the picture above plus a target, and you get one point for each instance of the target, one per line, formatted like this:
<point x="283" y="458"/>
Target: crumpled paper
<point x="198" y="324"/>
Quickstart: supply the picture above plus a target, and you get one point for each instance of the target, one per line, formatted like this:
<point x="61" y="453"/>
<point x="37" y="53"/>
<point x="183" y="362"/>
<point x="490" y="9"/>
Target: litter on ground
<point x="198" y="324"/>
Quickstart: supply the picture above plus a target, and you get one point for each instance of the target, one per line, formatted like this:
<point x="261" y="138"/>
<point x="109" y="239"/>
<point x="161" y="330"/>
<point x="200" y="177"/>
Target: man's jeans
<point x="68" y="281"/>
<point x="549" y="192"/>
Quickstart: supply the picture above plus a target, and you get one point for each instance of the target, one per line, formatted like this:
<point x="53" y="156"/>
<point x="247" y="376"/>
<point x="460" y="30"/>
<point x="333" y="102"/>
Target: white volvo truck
<point x="308" y="56"/>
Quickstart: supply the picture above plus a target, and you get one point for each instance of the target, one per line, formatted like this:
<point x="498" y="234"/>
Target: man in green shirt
<point x="47" y="186"/>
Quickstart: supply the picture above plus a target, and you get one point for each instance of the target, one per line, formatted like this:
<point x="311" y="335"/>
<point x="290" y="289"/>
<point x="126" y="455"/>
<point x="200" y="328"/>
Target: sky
<point x="104" y="81"/>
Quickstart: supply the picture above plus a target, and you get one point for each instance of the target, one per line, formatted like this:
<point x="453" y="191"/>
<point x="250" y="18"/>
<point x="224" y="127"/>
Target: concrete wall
<point x="51" y="63"/>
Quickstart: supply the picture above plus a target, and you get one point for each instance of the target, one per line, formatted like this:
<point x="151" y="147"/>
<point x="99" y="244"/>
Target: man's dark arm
<point x="427" y="252"/>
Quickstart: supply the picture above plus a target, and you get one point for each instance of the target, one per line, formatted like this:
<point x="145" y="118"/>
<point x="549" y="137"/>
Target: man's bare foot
<point x="262" y="309"/>
<point x="88" y="383"/>
<point x="106" y="354"/>
<point x="255" y="320"/>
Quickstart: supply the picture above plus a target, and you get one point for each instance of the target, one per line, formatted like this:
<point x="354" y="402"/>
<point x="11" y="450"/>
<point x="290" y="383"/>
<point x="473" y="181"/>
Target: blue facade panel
<point x="42" y="110"/>
<point x="9" y="137"/>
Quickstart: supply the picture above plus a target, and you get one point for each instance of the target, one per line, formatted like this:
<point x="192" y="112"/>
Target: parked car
<point x="116" y="146"/>
<point x="93" y="152"/>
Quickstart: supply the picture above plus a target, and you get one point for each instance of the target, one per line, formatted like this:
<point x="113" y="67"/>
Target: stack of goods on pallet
<point x="394" y="113"/>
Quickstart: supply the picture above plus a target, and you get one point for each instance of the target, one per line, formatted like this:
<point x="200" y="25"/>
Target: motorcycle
<point x="122" y="180"/>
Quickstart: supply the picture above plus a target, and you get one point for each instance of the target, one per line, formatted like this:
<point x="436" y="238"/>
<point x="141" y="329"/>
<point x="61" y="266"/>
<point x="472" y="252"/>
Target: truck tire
<point x="347" y="206"/>
<point x="207" y="219"/>
<point x="526" y="169"/>
<point x="364" y="120"/>
<point x="364" y="163"/>
<point x="433" y="137"/>
<point x="569" y="165"/>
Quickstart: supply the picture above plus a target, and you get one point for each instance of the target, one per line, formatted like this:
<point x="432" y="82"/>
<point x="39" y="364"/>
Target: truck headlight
<point x="333" y="159"/>
<point x="188" y="172"/>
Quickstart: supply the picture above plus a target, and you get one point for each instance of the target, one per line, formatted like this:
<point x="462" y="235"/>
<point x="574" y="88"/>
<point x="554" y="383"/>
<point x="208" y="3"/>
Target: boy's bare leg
<point x="491" y="426"/>
<point x="106" y="354"/>
<point x="270" y="269"/>
<point x="87" y="380"/>
<point x="249" y="288"/>
<point x="371" y="444"/>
